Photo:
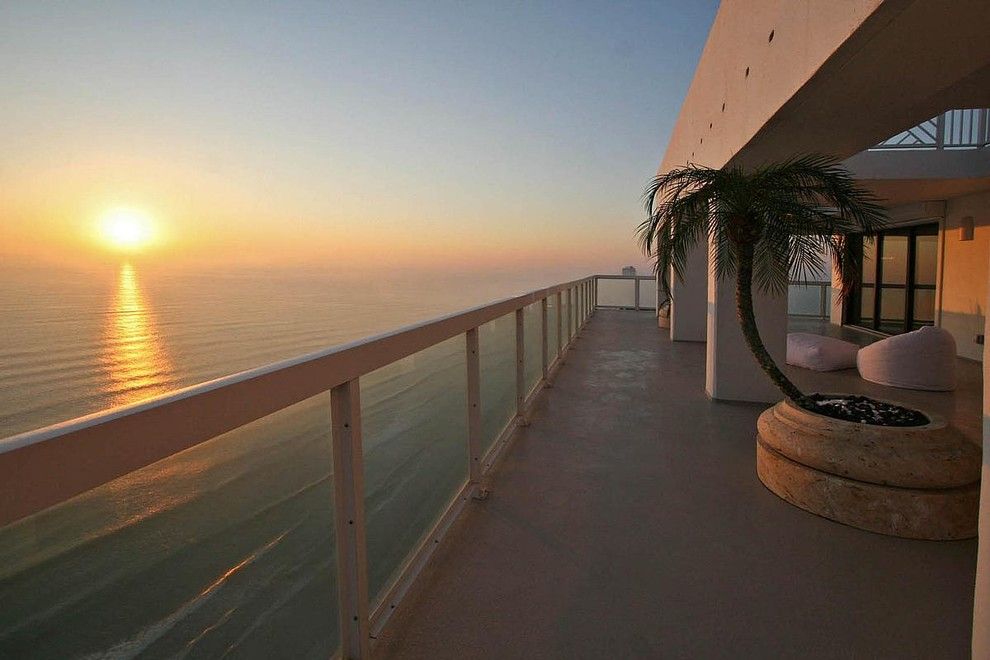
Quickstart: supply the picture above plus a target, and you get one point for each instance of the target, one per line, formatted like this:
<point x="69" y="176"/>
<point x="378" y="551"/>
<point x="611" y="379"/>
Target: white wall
<point x="732" y="373"/>
<point x="964" y="273"/>
<point x="981" y="604"/>
<point x="838" y="76"/>
<point x="689" y="311"/>
<point x="805" y="34"/>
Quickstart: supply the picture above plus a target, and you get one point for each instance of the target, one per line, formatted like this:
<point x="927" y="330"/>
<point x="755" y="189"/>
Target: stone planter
<point x="916" y="482"/>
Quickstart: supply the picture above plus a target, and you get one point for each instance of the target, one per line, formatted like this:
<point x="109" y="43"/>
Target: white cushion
<point x="820" y="353"/>
<point x="921" y="360"/>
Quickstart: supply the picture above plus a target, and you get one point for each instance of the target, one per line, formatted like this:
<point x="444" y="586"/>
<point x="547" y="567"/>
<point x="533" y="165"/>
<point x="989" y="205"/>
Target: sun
<point x="126" y="229"/>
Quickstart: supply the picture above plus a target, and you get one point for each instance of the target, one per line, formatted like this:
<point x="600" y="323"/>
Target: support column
<point x="981" y="600"/>
<point x="689" y="309"/>
<point x="731" y="371"/>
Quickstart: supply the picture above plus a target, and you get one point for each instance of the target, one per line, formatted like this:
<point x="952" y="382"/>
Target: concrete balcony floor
<point x="627" y="521"/>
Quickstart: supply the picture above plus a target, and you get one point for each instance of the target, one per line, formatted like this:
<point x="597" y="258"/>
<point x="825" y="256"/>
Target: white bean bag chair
<point x="921" y="360"/>
<point x="820" y="353"/>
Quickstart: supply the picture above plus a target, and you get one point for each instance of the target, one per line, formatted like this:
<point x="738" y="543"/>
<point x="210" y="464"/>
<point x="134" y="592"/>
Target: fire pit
<point x="919" y="481"/>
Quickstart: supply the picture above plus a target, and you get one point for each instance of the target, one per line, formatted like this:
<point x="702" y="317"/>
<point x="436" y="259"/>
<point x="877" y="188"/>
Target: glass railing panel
<point x="497" y="343"/>
<point x="553" y="311"/>
<point x="648" y="294"/>
<point x="616" y="293"/>
<point x="414" y="429"/>
<point x="533" y="336"/>
<point x="225" y="548"/>
<point x="804" y="300"/>
<point x="567" y="321"/>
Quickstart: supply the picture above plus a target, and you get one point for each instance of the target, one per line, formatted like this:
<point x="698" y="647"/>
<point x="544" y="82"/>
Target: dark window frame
<point x="852" y="312"/>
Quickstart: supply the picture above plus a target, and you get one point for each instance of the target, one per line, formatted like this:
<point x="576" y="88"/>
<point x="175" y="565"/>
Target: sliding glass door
<point x="896" y="291"/>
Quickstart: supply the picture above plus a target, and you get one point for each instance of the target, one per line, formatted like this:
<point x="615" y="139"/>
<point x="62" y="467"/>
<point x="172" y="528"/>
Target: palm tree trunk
<point x="747" y="321"/>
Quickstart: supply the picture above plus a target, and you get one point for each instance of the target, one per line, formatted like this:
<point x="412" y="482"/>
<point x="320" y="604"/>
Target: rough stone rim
<point x="930" y="456"/>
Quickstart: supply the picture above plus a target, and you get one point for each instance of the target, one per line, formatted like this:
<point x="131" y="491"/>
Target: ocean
<point x="227" y="549"/>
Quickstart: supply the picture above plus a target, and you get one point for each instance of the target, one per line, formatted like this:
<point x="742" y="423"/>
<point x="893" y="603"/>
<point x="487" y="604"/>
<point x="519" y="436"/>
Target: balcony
<point x="627" y="521"/>
<point x="540" y="476"/>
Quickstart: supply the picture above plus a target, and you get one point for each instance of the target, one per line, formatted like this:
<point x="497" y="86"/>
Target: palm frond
<point x="791" y="211"/>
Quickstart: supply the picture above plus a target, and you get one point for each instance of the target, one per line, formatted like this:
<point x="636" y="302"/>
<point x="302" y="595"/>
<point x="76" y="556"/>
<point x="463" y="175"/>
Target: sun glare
<point x="126" y="229"/>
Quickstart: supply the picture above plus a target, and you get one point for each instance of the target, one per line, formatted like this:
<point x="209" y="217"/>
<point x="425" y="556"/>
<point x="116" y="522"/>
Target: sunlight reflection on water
<point x="134" y="357"/>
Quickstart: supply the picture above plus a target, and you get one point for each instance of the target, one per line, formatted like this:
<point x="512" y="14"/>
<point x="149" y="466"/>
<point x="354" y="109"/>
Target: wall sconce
<point x="966" y="228"/>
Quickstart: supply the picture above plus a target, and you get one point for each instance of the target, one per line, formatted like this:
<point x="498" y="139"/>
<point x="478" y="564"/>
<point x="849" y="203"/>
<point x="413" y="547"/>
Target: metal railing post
<point x="940" y="131"/>
<point x="543" y="325"/>
<point x="595" y="296"/>
<point x="520" y="367"/>
<point x="474" y="405"/>
<point x="560" y="321"/>
<point x="636" y="285"/>
<point x="348" y="503"/>
<point x="823" y="299"/>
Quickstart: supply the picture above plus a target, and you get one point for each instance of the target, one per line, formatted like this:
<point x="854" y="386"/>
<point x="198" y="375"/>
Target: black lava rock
<point x="863" y="410"/>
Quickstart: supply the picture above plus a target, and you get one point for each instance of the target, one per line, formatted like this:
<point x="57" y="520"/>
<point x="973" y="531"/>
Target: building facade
<point x="898" y="89"/>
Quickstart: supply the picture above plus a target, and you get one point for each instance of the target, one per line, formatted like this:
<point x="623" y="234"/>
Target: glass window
<point x="926" y="258"/>
<point x="924" y="307"/>
<point x="895" y="259"/>
<point x="908" y="270"/>
<point x="869" y="261"/>
<point x="892" y="310"/>
<point x="866" y="306"/>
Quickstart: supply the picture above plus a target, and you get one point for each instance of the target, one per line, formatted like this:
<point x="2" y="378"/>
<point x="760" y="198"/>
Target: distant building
<point x="629" y="270"/>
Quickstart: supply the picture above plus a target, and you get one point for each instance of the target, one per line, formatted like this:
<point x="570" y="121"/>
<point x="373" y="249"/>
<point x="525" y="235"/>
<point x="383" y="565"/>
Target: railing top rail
<point x="105" y="445"/>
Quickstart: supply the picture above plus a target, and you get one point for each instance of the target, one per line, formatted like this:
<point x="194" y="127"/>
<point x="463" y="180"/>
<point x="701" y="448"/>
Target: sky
<point x="460" y="135"/>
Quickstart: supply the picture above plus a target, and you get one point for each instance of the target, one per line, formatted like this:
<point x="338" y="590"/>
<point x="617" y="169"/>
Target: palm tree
<point x="761" y="226"/>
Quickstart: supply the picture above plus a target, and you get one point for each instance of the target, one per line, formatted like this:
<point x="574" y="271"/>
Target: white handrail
<point x="44" y="467"/>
